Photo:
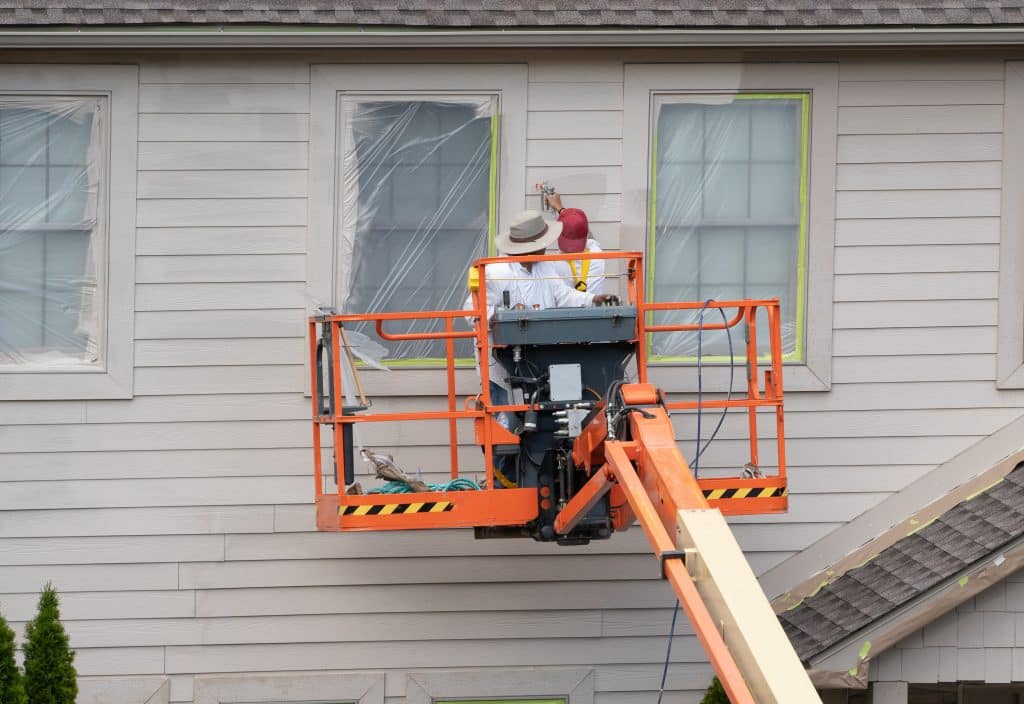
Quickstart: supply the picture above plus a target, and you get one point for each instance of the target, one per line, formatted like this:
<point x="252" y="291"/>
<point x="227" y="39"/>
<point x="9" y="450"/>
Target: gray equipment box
<point x="554" y="326"/>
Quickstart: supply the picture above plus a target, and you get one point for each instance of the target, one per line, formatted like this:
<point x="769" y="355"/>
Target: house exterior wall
<point x="178" y="525"/>
<point x="981" y="640"/>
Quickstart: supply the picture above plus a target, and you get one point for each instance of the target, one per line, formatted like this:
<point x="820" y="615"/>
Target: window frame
<point x="643" y="82"/>
<point x="1010" y="321"/>
<point x="113" y="378"/>
<point x="576" y="686"/>
<point x="344" y="687"/>
<point x="328" y="82"/>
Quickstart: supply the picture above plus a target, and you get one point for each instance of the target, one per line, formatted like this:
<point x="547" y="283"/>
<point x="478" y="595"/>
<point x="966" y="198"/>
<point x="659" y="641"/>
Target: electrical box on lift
<point x="555" y="326"/>
<point x="566" y="382"/>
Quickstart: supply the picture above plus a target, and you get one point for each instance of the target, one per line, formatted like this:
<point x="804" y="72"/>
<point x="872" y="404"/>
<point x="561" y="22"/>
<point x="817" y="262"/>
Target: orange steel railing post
<point x="775" y="326"/>
<point x="484" y="359"/>
<point x="336" y="402"/>
<point x="636" y="292"/>
<point x="317" y="460"/>
<point x="453" y="433"/>
<point x="753" y="390"/>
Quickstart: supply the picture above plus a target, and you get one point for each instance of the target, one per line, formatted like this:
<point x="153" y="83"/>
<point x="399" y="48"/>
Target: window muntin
<point x="418" y="194"/>
<point x="728" y="204"/>
<point x="52" y="164"/>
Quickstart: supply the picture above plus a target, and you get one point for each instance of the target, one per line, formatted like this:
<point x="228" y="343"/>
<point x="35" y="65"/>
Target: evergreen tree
<point x="49" y="661"/>
<point x="12" y="688"/>
<point x="715" y="694"/>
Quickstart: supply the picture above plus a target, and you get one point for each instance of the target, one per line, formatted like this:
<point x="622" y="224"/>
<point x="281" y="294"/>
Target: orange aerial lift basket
<point x="751" y="490"/>
<point x="585" y="447"/>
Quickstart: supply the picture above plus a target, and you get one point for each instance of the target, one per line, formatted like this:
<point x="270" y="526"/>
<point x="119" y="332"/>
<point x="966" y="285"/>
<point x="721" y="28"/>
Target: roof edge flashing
<point x="263" y="36"/>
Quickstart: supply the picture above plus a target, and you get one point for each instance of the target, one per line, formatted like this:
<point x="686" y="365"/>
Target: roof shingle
<point x="650" y="14"/>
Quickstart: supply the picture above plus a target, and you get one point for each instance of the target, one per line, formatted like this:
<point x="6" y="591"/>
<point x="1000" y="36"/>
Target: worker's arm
<point x="568" y="297"/>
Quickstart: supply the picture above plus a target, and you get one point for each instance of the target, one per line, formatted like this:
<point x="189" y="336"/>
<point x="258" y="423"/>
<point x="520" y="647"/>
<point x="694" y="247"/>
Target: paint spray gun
<point x="545" y="188"/>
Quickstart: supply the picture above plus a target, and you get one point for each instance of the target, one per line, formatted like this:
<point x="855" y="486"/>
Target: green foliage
<point x="50" y="676"/>
<point x="715" y="694"/>
<point x="12" y="688"/>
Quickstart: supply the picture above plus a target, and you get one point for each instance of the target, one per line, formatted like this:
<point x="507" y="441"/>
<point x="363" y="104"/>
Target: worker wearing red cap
<point x="585" y="275"/>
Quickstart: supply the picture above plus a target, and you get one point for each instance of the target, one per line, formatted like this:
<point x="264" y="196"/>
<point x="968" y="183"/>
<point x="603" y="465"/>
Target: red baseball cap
<point x="575" y="230"/>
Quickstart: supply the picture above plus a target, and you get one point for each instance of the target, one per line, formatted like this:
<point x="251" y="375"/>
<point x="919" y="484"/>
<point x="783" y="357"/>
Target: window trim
<point x="508" y="81"/>
<point x="120" y="85"/>
<point x="1010" y="321"/>
<point x="576" y="686"/>
<point x="821" y="80"/>
<point x="359" y="687"/>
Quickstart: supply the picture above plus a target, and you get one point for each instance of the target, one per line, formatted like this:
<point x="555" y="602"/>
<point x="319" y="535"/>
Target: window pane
<point x="727" y="213"/>
<point x="417" y="200"/>
<point x="49" y="191"/>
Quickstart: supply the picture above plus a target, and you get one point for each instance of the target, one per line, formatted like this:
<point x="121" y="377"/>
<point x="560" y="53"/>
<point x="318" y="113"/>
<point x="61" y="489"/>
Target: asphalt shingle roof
<point x="499" y="14"/>
<point x="961" y="536"/>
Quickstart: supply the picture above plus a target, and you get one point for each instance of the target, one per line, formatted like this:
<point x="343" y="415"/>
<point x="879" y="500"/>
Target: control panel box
<point x="554" y="326"/>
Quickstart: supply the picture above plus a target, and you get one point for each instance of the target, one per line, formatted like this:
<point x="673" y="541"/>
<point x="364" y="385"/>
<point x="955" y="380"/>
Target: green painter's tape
<point x="492" y="215"/>
<point x="426" y="362"/>
<point x="801" y="262"/>
<point x="981" y="491"/>
<point x="963" y="581"/>
<point x="652" y="224"/>
<point x="864" y="650"/>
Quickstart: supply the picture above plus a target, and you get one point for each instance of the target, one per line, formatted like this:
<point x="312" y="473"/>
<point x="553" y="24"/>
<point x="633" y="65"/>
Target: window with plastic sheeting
<point x="52" y="175"/>
<point x="418" y="193"/>
<point x="729" y="212"/>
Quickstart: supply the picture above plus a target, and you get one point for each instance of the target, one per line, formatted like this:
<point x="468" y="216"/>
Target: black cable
<point x="668" y="653"/>
<point x="732" y="374"/>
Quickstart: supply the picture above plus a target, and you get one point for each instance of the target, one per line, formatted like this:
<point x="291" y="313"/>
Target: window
<point x="728" y="209"/>
<point x="413" y="170"/>
<point x="504" y="686"/>
<point x="418" y="201"/>
<point x="306" y="688"/>
<point x="739" y="163"/>
<point x="51" y="168"/>
<point x="1010" y="357"/>
<point x="67" y="145"/>
<point x="500" y="701"/>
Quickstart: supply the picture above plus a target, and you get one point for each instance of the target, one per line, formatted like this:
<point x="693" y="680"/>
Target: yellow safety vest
<point x="580" y="278"/>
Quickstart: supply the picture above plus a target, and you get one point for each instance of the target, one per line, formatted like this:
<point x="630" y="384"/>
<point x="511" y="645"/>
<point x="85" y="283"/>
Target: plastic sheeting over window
<point x="728" y="205"/>
<point x="51" y="160"/>
<point x="417" y="201"/>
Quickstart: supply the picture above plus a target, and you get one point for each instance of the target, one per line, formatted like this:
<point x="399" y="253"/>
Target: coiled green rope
<point x="459" y="484"/>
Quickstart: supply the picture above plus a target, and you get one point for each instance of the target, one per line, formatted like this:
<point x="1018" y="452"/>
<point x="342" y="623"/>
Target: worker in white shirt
<point x="586" y="275"/>
<point x="530" y="284"/>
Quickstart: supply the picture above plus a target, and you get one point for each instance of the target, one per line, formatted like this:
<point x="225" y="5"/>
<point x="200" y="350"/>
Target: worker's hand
<point x="609" y="299"/>
<point x="554" y="201"/>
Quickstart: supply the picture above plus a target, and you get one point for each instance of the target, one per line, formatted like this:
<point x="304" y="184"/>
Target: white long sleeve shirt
<point x="542" y="287"/>
<point x="595" y="273"/>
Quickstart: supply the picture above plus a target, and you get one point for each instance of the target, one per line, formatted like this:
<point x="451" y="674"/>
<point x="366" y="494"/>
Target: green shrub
<point x="49" y="661"/>
<point x="12" y="688"/>
<point x="715" y="694"/>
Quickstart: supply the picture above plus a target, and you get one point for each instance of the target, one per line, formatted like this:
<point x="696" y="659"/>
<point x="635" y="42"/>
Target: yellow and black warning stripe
<point x="389" y="509"/>
<point x="747" y="492"/>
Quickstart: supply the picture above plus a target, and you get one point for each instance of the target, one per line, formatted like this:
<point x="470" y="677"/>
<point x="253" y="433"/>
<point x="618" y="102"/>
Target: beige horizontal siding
<point x="179" y="525"/>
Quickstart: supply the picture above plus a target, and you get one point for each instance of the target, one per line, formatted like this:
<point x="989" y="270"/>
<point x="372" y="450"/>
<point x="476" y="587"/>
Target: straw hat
<point x="528" y="232"/>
